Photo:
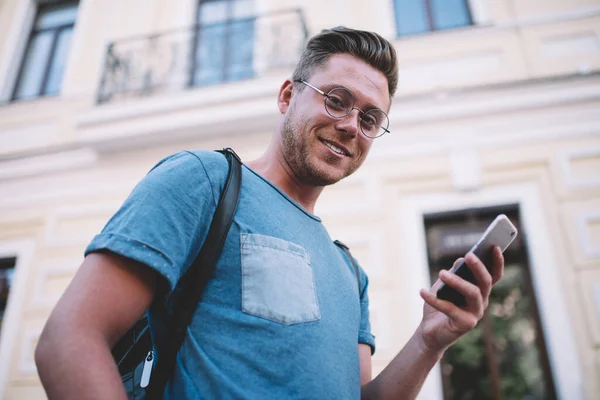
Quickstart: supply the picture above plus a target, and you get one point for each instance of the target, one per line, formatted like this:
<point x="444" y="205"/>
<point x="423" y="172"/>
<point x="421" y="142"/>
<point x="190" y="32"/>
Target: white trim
<point x="77" y="48"/>
<point x="82" y="191"/>
<point x="583" y="220"/>
<point x="23" y="250"/>
<point x="40" y="298"/>
<point x="205" y="97"/>
<point x="554" y="316"/>
<point x="465" y="168"/>
<point x="47" y="163"/>
<point x="596" y="291"/>
<point x="185" y="14"/>
<point x="480" y="12"/>
<point x="14" y="46"/>
<point x="26" y="356"/>
<point x="564" y="162"/>
<point x="51" y="238"/>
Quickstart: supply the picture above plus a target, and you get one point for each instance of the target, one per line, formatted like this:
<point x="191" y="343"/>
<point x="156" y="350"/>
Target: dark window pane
<point x="34" y="65"/>
<point x="224" y="51"/>
<point x="242" y="39"/>
<point x="411" y="17"/>
<point x="516" y="338"/>
<point x="52" y="16"/>
<point x="210" y="55"/>
<point x="7" y="271"/>
<point x="450" y="13"/>
<point x="58" y="62"/>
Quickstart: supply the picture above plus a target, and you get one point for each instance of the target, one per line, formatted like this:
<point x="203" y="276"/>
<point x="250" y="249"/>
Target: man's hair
<point x="367" y="46"/>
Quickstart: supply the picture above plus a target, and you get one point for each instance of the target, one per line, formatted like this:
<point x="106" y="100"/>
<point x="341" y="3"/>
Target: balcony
<point x="203" y="55"/>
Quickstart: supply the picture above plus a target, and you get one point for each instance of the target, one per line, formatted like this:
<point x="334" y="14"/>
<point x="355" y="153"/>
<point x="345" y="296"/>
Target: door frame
<point x="554" y="315"/>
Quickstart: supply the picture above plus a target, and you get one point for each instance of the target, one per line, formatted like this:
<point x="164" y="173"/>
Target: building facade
<point x="497" y="111"/>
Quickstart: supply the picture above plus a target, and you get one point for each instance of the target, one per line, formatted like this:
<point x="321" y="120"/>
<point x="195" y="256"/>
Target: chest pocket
<point x="277" y="280"/>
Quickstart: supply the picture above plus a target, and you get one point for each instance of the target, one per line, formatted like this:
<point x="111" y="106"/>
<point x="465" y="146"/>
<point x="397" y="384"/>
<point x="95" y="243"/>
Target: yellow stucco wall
<point x="514" y="99"/>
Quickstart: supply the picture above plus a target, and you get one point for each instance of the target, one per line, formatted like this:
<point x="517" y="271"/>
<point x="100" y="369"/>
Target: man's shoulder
<point x="214" y="164"/>
<point x="206" y="156"/>
<point x="187" y="162"/>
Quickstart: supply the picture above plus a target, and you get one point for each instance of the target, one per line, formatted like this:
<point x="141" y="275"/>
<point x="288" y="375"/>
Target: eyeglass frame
<point x="360" y="112"/>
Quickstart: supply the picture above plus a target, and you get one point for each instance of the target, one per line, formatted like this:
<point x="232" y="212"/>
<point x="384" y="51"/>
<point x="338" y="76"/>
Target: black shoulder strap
<point x="196" y="277"/>
<point x="354" y="265"/>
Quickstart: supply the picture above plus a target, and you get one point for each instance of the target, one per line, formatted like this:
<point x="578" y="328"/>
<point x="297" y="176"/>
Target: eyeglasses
<point x="339" y="102"/>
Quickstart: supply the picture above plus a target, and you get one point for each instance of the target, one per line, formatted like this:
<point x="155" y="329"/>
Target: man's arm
<point x="364" y="356"/>
<point x="106" y="297"/>
<point x="443" y="323"/>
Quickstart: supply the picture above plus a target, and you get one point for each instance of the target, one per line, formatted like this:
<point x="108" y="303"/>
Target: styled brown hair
<point x="367" y="46"/>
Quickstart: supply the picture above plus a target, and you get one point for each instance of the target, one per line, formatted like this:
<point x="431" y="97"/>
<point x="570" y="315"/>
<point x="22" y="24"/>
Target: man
<point x="282" y="316"/>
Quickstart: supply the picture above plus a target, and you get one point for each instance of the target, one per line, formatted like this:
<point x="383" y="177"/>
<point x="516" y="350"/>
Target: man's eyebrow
<point x="330" y="86"/>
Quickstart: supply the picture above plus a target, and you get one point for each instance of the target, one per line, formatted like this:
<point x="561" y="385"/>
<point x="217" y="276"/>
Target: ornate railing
<point x="202" y="55"/>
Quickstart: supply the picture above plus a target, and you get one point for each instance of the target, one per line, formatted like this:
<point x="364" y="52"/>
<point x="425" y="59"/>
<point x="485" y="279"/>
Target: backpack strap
<point x="346" y="250"/>
<point x="197" y="276"/>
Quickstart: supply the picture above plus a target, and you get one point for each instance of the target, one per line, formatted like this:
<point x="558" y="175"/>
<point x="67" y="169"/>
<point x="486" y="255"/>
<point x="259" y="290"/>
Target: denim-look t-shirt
<point x="282" y="315"/>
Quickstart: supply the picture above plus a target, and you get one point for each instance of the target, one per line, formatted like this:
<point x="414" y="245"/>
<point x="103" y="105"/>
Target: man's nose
<point x="350" y="123"/>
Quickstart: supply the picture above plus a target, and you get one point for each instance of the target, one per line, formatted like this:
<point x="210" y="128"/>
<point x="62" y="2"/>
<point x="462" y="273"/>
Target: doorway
<point x="505" y="356"/>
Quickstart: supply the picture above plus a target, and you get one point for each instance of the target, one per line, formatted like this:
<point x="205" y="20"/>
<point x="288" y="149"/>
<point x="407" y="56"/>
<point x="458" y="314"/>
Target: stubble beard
<point x="297" y="155"/>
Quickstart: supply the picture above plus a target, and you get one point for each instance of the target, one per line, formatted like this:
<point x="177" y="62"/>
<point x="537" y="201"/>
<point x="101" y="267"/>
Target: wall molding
<point x="564" y="162"/>
<point x="47" y="163"/>
<point x="582" y="222"/>
<point x="40" y="298"/>
<point x="26" y="356"/>
<point x="52" y="239"/>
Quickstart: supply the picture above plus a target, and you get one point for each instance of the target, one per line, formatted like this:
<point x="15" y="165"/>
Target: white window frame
<point x="19" y="33"/>
<point x="15" y="46"/>
<point x="23" y="250"/>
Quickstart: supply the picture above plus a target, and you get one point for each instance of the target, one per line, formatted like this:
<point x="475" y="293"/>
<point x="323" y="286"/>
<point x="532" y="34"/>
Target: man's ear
<point x="285" y="96"/>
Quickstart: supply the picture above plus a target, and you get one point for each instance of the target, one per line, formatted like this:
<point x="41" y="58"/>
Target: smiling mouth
<point x="335" y="149"/>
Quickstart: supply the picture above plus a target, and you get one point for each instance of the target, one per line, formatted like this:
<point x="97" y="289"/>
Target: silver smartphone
<point x="501" y="232"/>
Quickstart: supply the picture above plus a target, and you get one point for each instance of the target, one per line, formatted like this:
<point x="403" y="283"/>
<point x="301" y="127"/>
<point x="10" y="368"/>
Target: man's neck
<point x="276" y="171"/>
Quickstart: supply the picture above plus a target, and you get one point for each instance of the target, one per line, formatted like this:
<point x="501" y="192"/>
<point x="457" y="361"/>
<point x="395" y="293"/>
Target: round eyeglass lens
<point x="374" y="123"/>
<point x="339" y="102"/>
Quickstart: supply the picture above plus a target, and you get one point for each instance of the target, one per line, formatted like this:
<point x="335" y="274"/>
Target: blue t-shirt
<point x="282" y="315"/>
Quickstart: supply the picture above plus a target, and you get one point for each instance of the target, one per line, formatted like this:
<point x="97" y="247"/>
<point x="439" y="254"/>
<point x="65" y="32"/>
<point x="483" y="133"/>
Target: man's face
<point x="308" y="130"/>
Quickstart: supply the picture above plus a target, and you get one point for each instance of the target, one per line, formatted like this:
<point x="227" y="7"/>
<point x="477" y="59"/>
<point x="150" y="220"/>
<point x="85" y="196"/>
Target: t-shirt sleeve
<point x="165" y="219"/>
<point x="364" y="334"/>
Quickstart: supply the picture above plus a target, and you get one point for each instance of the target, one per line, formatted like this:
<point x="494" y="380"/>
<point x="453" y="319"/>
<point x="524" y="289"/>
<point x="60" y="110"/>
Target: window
<point x="46" y="54"/>
<point x="224" y="42"/>
<point x="7" y="269"/>
<point x="505" y="355"/>
<point x="419" y="16"/>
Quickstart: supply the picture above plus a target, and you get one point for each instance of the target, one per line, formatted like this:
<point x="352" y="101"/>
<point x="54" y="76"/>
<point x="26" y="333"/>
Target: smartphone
<point x="501" y="232"/>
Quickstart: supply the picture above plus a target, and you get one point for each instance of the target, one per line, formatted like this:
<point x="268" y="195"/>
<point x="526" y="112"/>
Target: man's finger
<point x="471" y="292"/>
<point x="461" y="318"/>
<point x="456" y="263"/>
<point x="497" y="266"/>
<point x="438" y="283"/>
<point x="483" y="279"/>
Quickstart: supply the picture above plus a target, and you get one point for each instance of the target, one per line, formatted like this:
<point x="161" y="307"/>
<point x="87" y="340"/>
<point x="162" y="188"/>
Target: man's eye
<point x="369" y="121"/>
<point x="336" y="101"/>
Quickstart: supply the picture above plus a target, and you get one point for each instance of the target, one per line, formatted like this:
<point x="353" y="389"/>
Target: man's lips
<point x="338" y="146"/>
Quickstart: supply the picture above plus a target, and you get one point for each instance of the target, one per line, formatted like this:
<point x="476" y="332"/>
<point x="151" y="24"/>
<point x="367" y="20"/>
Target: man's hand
<point x="443" y="322"/>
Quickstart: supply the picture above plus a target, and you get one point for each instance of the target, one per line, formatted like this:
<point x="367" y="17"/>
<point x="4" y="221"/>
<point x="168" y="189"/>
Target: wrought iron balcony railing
<point x="203" y="55"/>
